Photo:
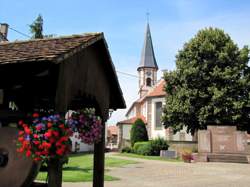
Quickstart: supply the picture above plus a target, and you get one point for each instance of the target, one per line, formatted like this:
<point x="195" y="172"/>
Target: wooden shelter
<point x="60" y="74"/>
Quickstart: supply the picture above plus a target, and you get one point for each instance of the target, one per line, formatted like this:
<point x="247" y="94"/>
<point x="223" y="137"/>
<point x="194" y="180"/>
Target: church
<point x="149" y="105"/>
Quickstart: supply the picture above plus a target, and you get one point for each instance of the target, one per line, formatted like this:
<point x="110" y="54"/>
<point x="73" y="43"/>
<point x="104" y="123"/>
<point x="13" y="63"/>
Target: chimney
<point x="4" y="31"/>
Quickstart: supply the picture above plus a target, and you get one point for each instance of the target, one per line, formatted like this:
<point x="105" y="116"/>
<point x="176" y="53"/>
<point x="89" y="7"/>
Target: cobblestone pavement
<point x="151" y="173"/>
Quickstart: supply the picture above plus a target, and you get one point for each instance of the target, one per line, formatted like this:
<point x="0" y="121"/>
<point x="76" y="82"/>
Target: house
<point x="112" y="133"/>
<point x="151" y="100"/>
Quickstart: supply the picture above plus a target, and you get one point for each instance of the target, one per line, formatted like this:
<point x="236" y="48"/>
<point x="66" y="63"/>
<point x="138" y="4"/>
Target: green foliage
<point x="142" y="148"/>
<point x="138" y="132"/>
<point x="36" y="28"/>
<point x="127" y="150"/>
<point x="151" y="148"/>
<point x="157" y="145"/>
<point x="210" y="85"/>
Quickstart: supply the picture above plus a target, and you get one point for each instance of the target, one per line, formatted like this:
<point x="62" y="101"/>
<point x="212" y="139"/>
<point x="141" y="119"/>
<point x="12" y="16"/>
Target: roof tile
<point x="44" y="49"/>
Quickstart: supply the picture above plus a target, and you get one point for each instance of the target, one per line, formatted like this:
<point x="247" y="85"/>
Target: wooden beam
<point x="99" y="161"/>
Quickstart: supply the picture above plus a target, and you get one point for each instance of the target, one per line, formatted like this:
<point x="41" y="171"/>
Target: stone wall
<point x="183" y="146"/>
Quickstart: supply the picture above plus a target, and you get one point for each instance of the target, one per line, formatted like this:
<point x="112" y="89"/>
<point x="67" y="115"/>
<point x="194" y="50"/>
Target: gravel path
<point x="152" y="173"/>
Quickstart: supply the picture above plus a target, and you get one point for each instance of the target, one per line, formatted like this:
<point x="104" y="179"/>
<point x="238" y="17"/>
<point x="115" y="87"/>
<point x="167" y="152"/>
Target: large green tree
<point x="36" y="28"/>
<point x="210" y="85"/>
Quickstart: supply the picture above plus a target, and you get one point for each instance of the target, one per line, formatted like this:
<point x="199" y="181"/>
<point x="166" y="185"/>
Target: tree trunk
<point x="55" y="173"/>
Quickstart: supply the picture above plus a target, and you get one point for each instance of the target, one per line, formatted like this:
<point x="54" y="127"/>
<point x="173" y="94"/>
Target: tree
<point x="36" y="28"/>
<point x="210" y="85"/>
<point x="138" y="132"/>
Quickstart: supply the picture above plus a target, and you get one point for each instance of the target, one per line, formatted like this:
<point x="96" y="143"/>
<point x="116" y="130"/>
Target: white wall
<point x="83" y="147"/>
<point x="126" y="131"/>
<point x="157" y="132"/>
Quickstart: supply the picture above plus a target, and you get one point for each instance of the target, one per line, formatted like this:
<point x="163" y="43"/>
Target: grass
<point x="132" y="155"/>
<point x="80" y="168"/>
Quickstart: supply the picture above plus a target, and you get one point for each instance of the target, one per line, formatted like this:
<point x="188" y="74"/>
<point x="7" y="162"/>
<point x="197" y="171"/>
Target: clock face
<point x="148" y="73"/>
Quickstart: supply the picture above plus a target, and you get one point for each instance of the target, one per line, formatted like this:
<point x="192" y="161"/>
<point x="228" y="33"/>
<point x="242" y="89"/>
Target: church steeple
<point x="148" y="67"/>
<point x="147" y="55"/>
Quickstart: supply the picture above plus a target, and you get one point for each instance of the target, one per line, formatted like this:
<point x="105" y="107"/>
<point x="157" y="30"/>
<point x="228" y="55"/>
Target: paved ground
<point x="149" y="173"/>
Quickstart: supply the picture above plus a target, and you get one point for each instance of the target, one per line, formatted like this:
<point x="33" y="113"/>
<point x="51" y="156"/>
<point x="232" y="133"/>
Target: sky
<point x="172" y="23"/>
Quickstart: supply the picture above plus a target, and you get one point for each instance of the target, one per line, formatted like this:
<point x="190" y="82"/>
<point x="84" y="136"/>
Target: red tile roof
<point x="51" y="49"/>
<point x="132" y="120"/>
<point x="112" y="130"/>
<point x="158" y="90"/>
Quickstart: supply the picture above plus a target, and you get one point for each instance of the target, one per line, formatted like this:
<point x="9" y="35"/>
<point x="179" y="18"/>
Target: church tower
<point x="147" y="69"/>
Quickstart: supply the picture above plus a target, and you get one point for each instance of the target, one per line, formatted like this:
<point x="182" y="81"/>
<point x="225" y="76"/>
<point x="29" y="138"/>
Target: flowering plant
<point x="187" y="157"/>
<point x="87" y="124"/>
<point x="44" y="138"/>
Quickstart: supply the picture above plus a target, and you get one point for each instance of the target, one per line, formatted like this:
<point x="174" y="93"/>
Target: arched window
<point x="148" y="82"/>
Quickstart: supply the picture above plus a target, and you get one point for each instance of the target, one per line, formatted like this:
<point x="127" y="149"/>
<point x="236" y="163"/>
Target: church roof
<point x="156" y="91"/>
<point x="147" y="55"/>
<point x="132" y="120"/>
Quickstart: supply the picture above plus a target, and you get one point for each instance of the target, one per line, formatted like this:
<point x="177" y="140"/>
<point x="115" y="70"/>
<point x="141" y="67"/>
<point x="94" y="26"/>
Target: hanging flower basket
<point x="87" y="124"/>
<point x="44" y="138"/>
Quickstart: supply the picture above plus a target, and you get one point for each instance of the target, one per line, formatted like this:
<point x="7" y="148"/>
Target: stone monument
<point x="222" y="143"/>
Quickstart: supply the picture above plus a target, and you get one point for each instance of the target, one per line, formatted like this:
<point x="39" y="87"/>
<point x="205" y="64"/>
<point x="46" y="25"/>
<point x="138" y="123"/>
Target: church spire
<point x="147" y="55"/>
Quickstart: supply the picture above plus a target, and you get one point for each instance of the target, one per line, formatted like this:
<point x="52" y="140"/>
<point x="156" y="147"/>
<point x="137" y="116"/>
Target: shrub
<point x="126" y="150"/>
<point x="142" y="148"/>
<point x="157" y="145"/>
<point x="138" y="132"/>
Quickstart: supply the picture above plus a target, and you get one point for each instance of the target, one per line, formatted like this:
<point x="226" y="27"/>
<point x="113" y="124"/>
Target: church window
<point x="158" y="114"/>
<point x="148" y="82"/>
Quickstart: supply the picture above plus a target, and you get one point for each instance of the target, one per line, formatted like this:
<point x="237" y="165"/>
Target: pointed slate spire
<point x="147" y="55"/>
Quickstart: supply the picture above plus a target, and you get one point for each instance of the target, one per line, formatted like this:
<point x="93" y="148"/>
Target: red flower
<point x="64" y="139"/>
<point x="37" y="159"/>
<point x="28" y="153"/>
<point x="48" y="134"/>
<point x="61" y="126"/>
<point x="46" y="145"/>
<point x="35" y="136"/>
<point x="52" y="140"/>
<point x="27" y="130"/>
<point x="20" y="122"/>
<point x="49" y="125"/>
<point x="21" y="139"/>
<point x="38" y="153"/>
<point x="35" y="115"/>
<point x="56" y="133"/>
<point x="38" y="127"/>
<point x="20" y="150"/>
<point x="36" y="142"/>
<point x="20" y="133"/>
<point x="60" y="152"/>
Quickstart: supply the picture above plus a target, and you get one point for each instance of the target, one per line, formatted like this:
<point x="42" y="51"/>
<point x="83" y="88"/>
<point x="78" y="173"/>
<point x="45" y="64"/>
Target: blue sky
<point x="123" y="22"/>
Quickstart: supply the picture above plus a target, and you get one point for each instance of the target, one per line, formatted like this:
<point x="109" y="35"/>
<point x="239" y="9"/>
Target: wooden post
<point x="55" y="173"/>
<point x="99" y="161"/>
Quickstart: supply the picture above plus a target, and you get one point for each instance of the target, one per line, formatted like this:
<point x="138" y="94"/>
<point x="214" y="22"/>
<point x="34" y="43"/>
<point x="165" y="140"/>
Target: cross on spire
<point x="147" y="14"/>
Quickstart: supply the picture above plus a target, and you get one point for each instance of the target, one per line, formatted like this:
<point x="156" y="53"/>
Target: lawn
<point x="80" y="168"/>
<point x="132" y="155"/>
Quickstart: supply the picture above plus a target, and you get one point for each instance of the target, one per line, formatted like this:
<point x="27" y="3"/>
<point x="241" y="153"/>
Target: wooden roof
<point x="51" y="49"/>
<point x="86" y="68"/>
